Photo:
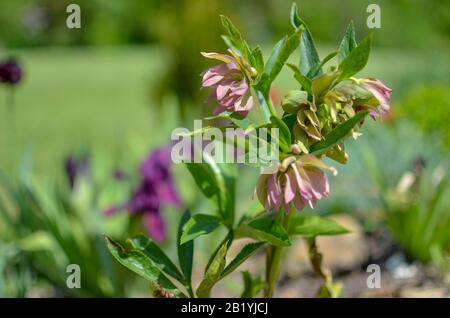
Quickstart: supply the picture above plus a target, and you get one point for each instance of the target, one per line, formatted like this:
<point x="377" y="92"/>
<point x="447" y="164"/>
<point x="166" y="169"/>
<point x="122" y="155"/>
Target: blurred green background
<point x="118" y="86"/>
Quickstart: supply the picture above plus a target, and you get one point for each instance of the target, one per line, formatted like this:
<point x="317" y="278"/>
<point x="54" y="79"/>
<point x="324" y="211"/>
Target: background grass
<point x="73" y="99"/>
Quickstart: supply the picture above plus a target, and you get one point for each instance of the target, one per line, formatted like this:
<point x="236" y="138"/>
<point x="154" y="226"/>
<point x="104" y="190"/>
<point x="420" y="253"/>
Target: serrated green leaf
<point x="235" y="39"/>
<point x="201" y="131"/>
<point x="156" y="254"/>
<point x="230" y="28"/>
<point x="304" y="81"/>
<point x="185" y="251"/>
<point x="252" y="286"/>
<point x="230" y="43"/>
<point x="309" y="58"/>
<point x="199" y="224"/>
<point x="294" y="17"/>
<point x="217" y="182"/>
<point x="212" y="275"/>
<point x="316" y="69"/>
<point x="348" y="42"/>
<point x="265" y="229"/>
<point x="235" y="118"/>
<point x="262" y="100"/>
<point x="313" y="225"/>
<point x="337" y="134"/>
<point x="356" y="60"/>
<point x="278" y="57"/>
<point x="284" y="138"/>
<point x="259" y="59"/>
<point x="139" y="263"/>
<point x="242" y="256"/>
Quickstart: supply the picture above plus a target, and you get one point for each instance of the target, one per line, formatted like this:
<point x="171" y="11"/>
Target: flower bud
<point x="293" y="100"/>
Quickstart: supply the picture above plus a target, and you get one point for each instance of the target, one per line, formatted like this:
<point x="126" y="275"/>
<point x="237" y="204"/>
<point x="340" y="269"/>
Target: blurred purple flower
<point x="156" y="167"/>
<point x="10" y="72"/>
<point x="77" y="167"/>
<point x="119" y="175"/>
<point x="156" y="226"/>
<point x="155" y="188"/>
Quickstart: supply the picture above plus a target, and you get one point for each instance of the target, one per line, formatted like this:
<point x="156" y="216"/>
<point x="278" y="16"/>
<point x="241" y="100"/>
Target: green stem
<point x="264" y="103"/>
<point x="190" y="291"/>
<point x="273" y="259"/>
<point x="270" y="105"/>
<point x="10" y="127"/>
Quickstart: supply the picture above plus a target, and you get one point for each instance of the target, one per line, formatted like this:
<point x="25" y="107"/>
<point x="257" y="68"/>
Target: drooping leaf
<point x="157" y="255"/>
<point x="199" y="224"/>
<point x="242" y="256"/>
<point x="313" y="225"/>
<point x="356" y="59"/>
<point x="139" y="263"/>
<point x="213" y="272"/>
<point x="348" y="42"/>
<point x="337" y="134"/>
<point x="185" y="251"/>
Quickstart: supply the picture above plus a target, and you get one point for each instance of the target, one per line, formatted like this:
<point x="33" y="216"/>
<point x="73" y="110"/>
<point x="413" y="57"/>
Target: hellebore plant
<point x="328" y="105"/>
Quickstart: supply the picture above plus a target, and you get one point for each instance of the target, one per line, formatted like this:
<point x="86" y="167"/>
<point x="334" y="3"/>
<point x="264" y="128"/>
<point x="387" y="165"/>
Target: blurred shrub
<point x="418" y="213"/>
<point x="184" y="29"/>
<point x="47" y="226"/>
<point x="42" y="22"/>
<point x="428" y="107"/>
<point x="369" y="186"/>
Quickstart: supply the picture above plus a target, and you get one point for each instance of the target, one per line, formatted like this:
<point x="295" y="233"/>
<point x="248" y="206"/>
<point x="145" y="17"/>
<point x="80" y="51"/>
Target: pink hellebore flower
<point x="229" y="82"/>
<point x="298" y="180"/>
<point x="381" y="92"/>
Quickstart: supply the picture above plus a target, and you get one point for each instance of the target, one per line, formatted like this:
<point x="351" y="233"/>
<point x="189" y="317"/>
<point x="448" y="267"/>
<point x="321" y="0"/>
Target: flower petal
<point x="217" y="56"/>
